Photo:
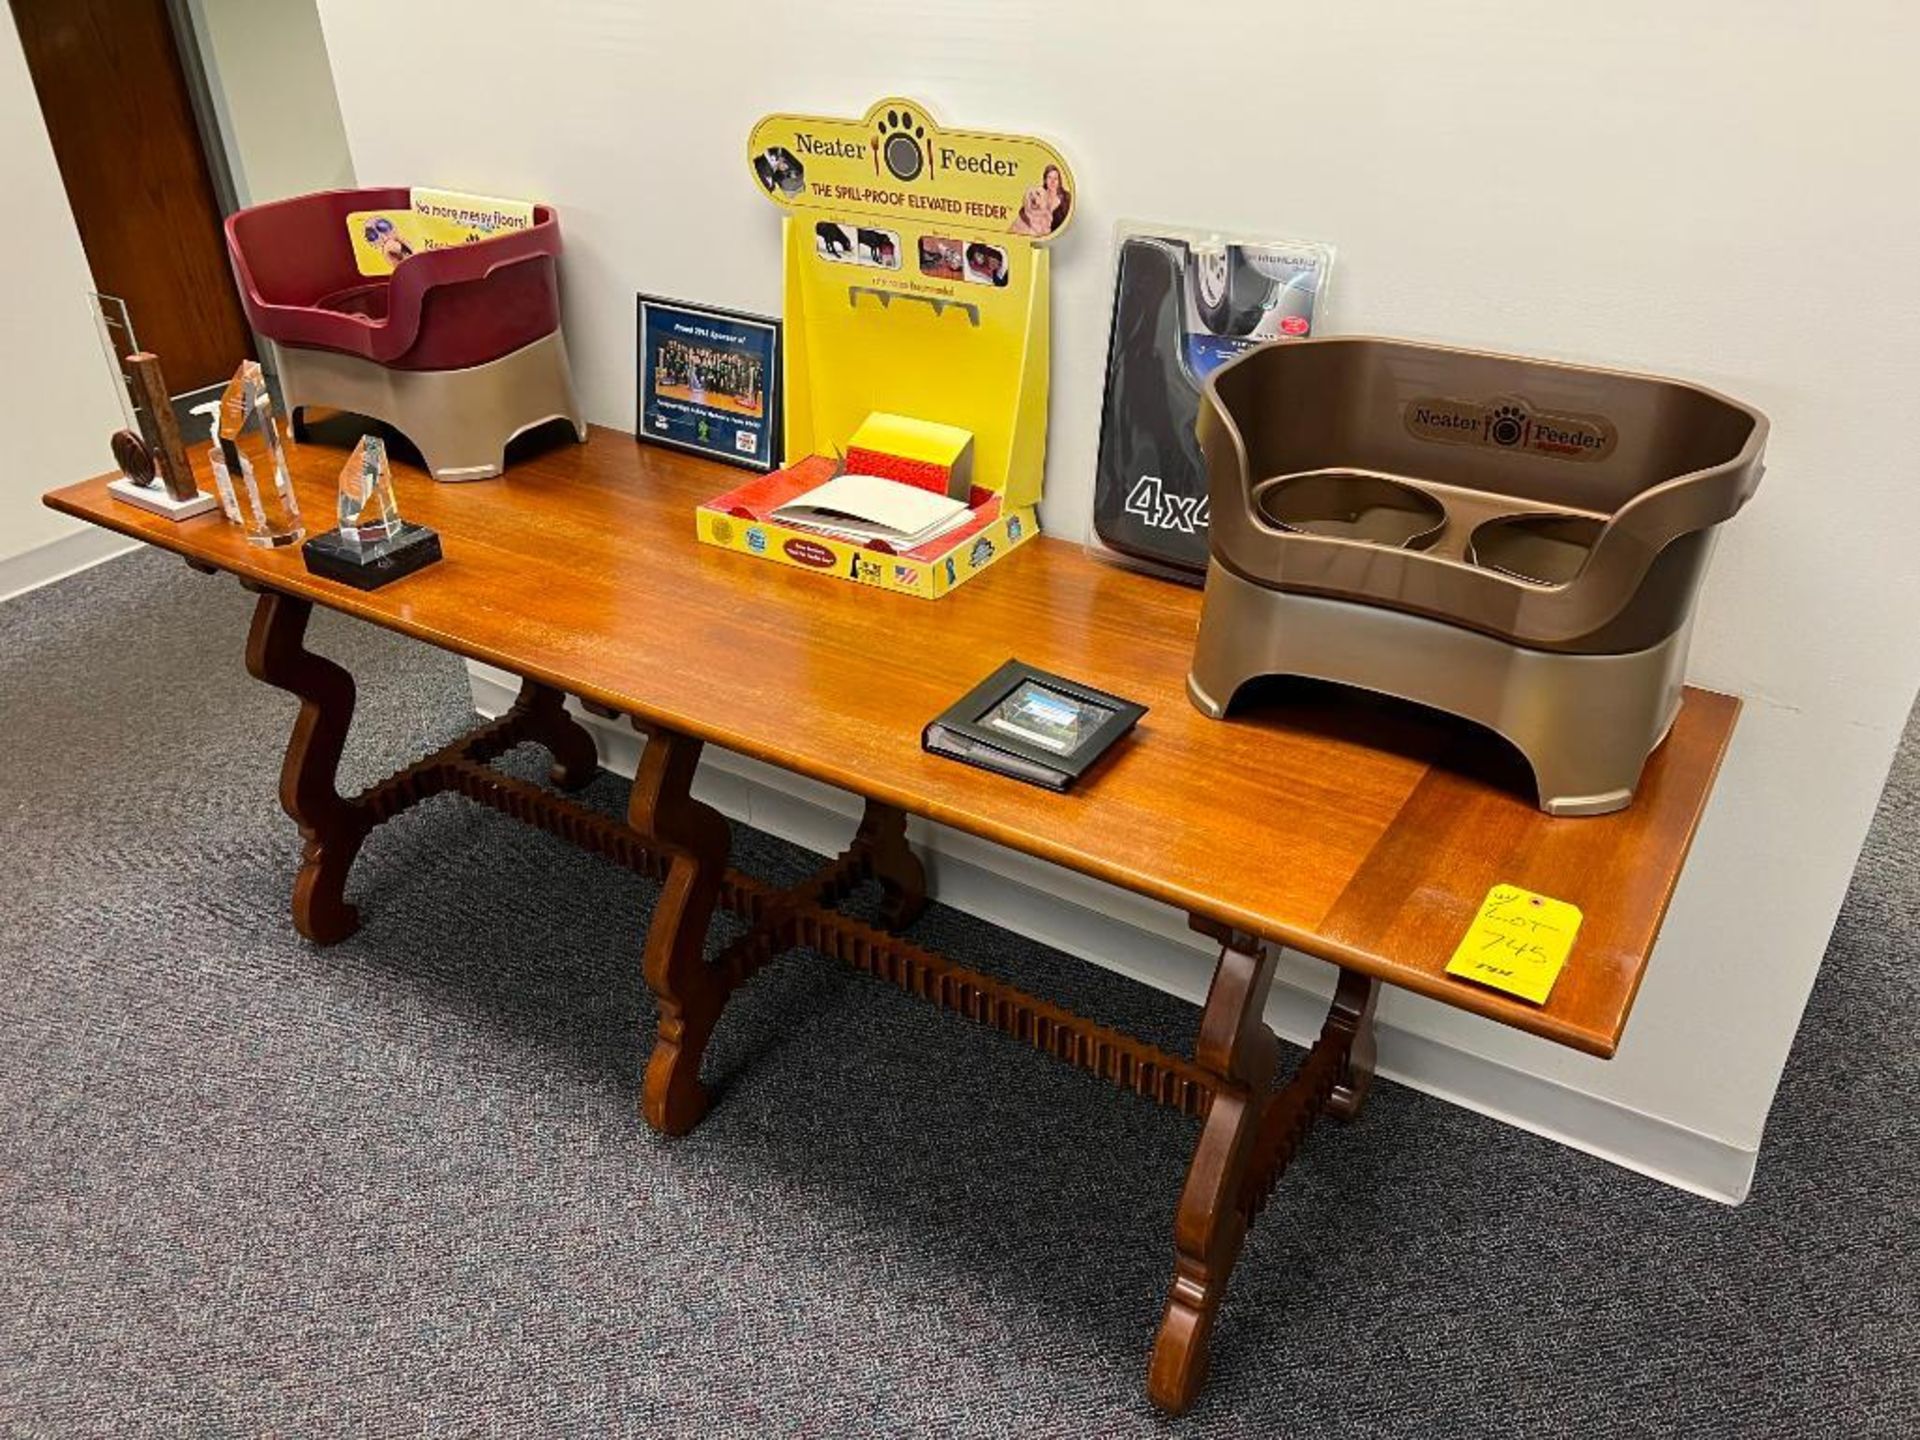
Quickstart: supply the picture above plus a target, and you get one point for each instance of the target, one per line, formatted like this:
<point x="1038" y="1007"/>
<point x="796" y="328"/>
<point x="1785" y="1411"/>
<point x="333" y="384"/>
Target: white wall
<point x="1720" y="191"/>
<point x="267" y="66"/>
<point x="57" y="404"/>
<point x="273" y="93"/>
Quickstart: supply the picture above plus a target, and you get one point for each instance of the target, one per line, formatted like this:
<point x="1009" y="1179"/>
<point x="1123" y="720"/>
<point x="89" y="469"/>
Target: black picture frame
<point x="961" y="732"/>
<point x="690" y="421"/>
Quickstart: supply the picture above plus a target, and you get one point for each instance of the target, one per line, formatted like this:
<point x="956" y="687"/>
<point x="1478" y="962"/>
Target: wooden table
<point x="1361" y="834"/>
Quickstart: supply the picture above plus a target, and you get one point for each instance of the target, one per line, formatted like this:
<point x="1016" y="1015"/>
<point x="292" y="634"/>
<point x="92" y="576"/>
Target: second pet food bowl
<point x="1514" y="541"/>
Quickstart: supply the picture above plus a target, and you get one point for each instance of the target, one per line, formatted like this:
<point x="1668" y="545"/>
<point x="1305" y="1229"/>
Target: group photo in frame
<point x="708" y="381"/>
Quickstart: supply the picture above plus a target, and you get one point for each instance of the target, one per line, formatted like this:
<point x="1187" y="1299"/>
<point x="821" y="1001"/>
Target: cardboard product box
<point x="740" y="520"/>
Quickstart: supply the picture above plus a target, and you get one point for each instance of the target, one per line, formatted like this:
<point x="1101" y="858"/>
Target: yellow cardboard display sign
<point x="916" y="280"/>
<point x="1518" y="942"/>
<point x="914" y="284"/>
<point x="896" y="162"/>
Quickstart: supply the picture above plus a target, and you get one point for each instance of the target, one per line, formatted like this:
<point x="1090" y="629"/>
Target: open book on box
<point x="868" y="508"/>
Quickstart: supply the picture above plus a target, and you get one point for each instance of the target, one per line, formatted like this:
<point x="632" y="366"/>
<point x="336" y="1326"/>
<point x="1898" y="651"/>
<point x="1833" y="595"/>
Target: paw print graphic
<point x="898" y="144"/>
<point x="1507" y="425"/>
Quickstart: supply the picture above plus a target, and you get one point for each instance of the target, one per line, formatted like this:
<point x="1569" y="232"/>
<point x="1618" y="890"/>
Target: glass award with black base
<point x="373" y="544"/>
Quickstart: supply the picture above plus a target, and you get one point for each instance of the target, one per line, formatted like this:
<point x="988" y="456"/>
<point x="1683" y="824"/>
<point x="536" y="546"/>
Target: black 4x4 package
<point x="1181" y="307"/>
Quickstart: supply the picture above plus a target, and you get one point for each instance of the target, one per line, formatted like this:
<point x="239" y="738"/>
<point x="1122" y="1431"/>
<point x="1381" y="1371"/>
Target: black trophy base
<point x="370" y="565"/>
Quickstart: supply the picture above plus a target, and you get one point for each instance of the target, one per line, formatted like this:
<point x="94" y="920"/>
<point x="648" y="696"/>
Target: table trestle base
<point x="1250" y="1128"/>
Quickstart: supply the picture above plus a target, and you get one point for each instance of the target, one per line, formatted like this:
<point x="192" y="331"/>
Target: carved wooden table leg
<point x="332" y="827"/>
<point x="690" y="992"/>
<point x="544" y="720"/>
<point x="903" y="879"/>
<point x="1353" y="1006"/>
<point x="1235" y="1046"/>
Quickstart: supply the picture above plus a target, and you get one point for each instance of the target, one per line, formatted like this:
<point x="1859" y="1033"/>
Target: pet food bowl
<point x="459" y="349"/>
<point x="1513" y="541"/>
<point x="1369" y="509"/>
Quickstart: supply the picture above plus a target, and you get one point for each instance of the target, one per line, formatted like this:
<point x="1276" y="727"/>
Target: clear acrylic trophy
<point x="373" y="544"/>
<point x="369" y="512"/>
<point x="248" y="438"/>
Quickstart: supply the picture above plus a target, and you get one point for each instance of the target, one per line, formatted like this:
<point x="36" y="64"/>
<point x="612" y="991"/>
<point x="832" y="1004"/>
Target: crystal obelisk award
<point x="254" y="455"/>
<point x="373" y="544"/>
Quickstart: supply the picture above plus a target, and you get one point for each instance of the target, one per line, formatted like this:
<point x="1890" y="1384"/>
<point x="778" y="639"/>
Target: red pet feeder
<point x="459" y="349"/>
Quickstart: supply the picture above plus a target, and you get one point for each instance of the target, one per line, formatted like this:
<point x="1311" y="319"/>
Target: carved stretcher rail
<point x="1109" y="1054"/>
<point x="804" y="916"/>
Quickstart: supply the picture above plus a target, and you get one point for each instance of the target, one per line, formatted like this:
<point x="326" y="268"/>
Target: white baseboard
<point x="58" y="558"/>
<point x="1151" y="943"/>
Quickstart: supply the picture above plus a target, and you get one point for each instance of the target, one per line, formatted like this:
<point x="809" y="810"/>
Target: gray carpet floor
<point x="399" y="1187"/>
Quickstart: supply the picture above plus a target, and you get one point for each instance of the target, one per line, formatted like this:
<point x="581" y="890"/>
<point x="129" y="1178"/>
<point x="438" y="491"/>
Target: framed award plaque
<point x="709" y="382"/>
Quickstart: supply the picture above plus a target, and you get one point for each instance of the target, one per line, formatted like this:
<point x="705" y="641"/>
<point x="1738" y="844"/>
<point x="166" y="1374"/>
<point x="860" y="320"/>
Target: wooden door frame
<point x="210" y="126"/>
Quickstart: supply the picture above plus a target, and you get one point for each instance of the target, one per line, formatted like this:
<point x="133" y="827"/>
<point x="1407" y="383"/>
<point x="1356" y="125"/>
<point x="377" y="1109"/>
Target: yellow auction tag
<point x="1518" y="941"/>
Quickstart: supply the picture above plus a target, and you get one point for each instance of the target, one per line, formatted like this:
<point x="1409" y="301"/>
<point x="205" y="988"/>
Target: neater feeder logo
<point x="1574" y="436"/>
<point x="1507" y="425"/>
<point x="901" y="143"/>
<point x="816" y="145"/>
<point x="1508" y="422"/>
<point x="1458" y="422"/>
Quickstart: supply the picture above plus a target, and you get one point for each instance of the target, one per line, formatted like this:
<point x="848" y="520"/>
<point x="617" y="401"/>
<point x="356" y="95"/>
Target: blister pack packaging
<point x="1184" y="302"/>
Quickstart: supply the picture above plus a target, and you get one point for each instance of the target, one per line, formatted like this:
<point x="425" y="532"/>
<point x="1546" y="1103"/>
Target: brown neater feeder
<point x="1514" y="541"/>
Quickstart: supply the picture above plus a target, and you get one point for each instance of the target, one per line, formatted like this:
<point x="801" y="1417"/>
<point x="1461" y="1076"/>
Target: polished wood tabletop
<point x="1357" y="831"/>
